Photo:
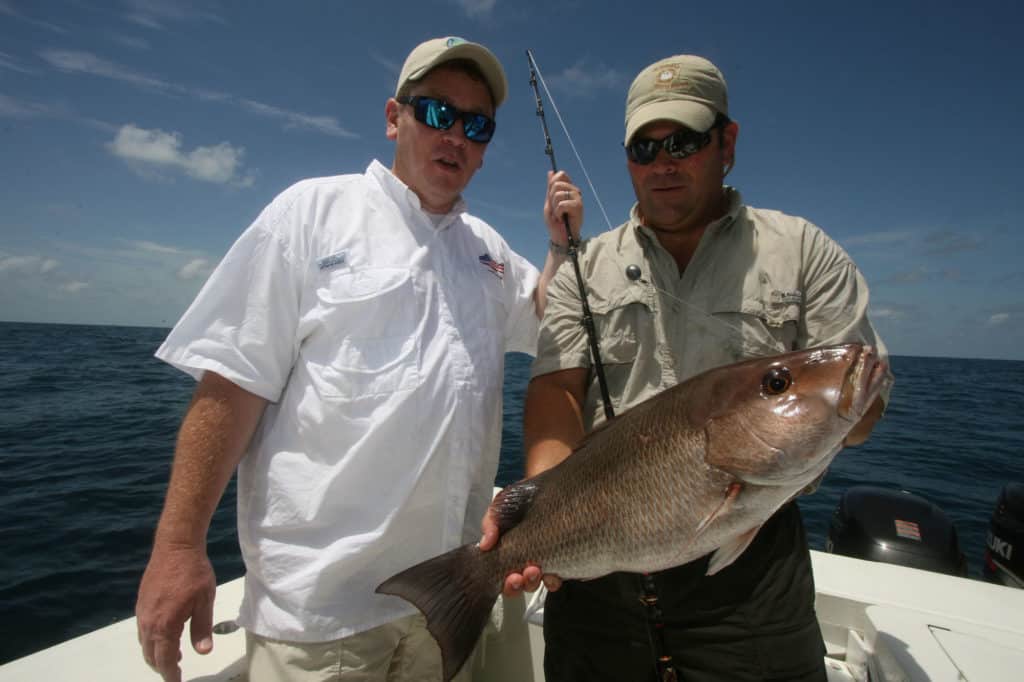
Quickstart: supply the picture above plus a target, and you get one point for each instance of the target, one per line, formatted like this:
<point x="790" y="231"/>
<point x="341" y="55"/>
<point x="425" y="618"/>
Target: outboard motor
<point x="1004" y="562"/>
<point x="895" y="527"/>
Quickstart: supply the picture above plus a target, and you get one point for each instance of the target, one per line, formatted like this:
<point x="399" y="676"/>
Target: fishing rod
<point x="663" y="664"/>
<point x="588" y="318"/>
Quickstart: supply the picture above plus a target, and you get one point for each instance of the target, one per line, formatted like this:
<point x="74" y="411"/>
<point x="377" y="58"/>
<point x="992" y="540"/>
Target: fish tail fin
<point x="456" y="592"/>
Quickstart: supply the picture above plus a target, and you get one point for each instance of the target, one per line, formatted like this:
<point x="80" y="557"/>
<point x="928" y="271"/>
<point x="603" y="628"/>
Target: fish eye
<point x="776" y="381"/>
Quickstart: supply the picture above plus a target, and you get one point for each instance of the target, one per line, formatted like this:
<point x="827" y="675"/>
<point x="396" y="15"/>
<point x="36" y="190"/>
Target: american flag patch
<point x="496" y="268"/>
<point x="907" y="529"/>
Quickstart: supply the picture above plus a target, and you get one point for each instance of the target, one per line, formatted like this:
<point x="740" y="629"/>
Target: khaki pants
<point x="400" y="651"/>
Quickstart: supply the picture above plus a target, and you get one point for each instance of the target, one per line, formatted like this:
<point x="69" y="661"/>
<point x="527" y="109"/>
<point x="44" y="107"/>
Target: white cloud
<point x="153" y="247"/>
<point x="872" y="238"/>
<point x="75" y="62"/>
<point x="73" y="287"/>
<point x="392" y="66"/>
<point x="156" y="14"/>
<point x="998" y="319"/>
<point x="150" y="146"/>
<point x="195" y="268"/>
<point x="477" y="8"/>
<point x="220" y="164"/>
<point x="16" y="108"/>
<point x="11" y="107"/>
<point x="27" y="265"/>
<point x="295" y="120"/>
<point x="947" y="242"/>
<point x="9" y="10"/>
<point x="9" y="62"/>
<point x="133" y="42"/>
<point x="886" y="313"/>
<point x="214" y="164"/>
<point x="586" y="78"/>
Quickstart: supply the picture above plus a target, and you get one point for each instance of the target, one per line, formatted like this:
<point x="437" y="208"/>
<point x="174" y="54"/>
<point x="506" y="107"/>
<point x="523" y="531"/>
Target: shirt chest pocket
<point x="371" y="322"/>
<point x="623" y="324"/>
<point x="766" y="320"/>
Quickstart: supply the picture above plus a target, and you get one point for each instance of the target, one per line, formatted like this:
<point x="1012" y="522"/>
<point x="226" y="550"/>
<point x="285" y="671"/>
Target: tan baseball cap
<point x="431" y="53"/>
<point x="684" y="88"/>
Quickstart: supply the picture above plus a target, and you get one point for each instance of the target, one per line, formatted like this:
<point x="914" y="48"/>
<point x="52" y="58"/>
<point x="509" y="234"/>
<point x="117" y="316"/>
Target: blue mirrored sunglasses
<point x="441" y="115"/>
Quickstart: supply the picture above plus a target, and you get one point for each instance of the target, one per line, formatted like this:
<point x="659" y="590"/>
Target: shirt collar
<point x="406" y="199"/>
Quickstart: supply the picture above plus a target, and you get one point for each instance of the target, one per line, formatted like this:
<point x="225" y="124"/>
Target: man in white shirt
<point x="349" y="351"/>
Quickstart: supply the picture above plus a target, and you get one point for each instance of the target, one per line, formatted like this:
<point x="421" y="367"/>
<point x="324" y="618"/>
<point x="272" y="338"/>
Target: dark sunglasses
<point x="441" y="115"/>
<point x="680" y="144"/>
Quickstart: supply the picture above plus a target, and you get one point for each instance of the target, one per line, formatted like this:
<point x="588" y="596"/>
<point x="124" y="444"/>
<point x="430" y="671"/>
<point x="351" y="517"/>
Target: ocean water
<point x="88" y="420"/>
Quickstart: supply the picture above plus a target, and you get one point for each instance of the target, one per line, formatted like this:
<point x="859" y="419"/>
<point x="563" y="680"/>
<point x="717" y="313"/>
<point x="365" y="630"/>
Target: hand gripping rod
<point x="588" y="319"/>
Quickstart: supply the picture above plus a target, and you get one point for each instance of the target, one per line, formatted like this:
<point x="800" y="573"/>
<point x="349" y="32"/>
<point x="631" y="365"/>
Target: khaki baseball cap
<point x="432" y="53"/>
<point x="684" y="88"/>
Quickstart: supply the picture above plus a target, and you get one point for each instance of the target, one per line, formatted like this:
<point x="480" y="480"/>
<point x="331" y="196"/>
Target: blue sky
<point x="138" y="138"/>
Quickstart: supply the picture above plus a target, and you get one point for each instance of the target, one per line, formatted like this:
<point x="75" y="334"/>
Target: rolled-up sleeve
<point x="562" y="342"/>
<point x="836" y="302"/>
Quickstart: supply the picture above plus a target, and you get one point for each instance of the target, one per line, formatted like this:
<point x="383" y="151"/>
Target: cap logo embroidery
<point x="666" y="77"/>
<point x="453" y="41"/>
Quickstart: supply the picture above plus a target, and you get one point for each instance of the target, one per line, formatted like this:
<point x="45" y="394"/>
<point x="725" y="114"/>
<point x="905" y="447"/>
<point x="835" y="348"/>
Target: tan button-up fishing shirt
<point x="760" y="283"/>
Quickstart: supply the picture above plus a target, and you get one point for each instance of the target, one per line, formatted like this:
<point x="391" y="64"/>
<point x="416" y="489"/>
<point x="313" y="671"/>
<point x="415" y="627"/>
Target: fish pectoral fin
<point x="731" y="551"/>
<point x="731" y="493"/>
<point x="511" y="504"/>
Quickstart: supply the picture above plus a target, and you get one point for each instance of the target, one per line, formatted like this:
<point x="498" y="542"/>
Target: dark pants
<point x="753" y="621"/>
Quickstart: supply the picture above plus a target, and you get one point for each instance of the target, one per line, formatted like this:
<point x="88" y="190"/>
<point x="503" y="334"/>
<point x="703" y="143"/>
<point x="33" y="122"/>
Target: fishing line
<point x="536" y="69"/>
<point x="588" y="318"/>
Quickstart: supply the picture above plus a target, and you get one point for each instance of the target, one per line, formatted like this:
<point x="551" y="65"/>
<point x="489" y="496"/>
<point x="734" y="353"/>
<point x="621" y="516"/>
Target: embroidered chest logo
<point x="787" y="297"/>
<point x="497" y="269"/>
<point x="332" y="261"/>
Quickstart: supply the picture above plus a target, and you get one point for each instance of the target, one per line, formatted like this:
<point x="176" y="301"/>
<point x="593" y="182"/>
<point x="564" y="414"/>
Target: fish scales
<point x="694" y="470"/>
<point x="576" y="526"/>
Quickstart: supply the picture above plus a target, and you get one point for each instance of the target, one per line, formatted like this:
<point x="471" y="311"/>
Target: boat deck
<point x="880" y="622"/>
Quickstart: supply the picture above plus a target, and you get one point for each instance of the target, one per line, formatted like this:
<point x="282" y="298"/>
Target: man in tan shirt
<point x="693" y="280"/>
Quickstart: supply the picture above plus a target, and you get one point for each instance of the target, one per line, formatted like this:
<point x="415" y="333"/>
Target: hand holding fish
<point x="515" y="583"/>
<point x="563" y="201"/>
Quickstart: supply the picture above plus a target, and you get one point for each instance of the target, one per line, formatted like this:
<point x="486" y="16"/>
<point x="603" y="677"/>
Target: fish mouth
<point x="862" y="383"/>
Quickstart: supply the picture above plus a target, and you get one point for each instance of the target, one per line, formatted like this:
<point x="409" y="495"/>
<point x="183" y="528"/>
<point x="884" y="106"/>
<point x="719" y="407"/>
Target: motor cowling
<point x="1004" y="562"/>
<point x="895" y="527"/>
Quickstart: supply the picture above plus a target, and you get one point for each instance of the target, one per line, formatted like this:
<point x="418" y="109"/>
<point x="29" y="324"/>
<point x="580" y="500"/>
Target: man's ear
<point x="391" y="118"/>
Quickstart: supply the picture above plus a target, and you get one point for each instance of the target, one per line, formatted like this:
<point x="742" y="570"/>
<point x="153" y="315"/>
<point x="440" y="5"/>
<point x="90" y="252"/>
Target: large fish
<point x="696" y="469"/>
